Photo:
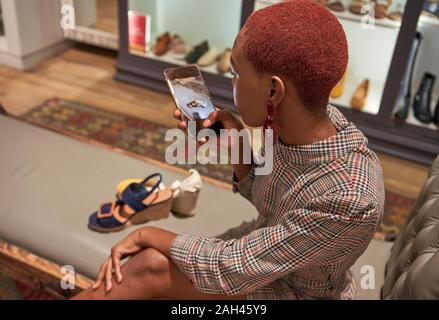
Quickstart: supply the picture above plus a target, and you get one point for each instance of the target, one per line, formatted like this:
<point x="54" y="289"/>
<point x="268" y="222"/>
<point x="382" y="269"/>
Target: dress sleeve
<point x="319" y="236"/>
<point x="240" y="231"/>
<point x="244" y="186"/>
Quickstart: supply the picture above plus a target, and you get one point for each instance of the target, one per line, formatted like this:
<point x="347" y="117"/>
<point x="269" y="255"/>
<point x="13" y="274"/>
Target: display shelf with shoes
<point x="176" y="49"/>
<point x="424" y="111"/>
<point x="402" y="104"/>
<point x="182" y="33"/>
<point x="378" y="56"/>
<point x="367" y="60"/>
<point x="169" y="58"/>
<point x="424" y="86"/>
<point x="373" y="94"/>
<point x="353" y="10"/>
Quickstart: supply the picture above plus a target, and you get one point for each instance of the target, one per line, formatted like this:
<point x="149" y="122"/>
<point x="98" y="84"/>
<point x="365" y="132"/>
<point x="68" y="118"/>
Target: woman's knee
<point x="150" y="262"/>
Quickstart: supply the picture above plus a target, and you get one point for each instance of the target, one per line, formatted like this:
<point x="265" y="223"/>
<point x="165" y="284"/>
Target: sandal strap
<point x="131" y="198"/>
<point x="102" y="215"/>
<point x="156" y="185"/>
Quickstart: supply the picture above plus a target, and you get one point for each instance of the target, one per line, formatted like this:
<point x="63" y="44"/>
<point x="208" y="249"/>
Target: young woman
<point x="319" y="207"/>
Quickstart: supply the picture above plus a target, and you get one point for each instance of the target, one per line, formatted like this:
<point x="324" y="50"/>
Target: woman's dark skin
<point x="150" y="272"/>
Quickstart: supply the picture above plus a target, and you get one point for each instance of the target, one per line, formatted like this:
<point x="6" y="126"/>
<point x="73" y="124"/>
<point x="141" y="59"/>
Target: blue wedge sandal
<point x="139" y="203"/>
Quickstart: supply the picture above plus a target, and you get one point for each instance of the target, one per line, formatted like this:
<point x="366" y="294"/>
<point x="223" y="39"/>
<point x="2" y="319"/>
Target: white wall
<point x="31" y="27"/>
<point x="85" y="12"/>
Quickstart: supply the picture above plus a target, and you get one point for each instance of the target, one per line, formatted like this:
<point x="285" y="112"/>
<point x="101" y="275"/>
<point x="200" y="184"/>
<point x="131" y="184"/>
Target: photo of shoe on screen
<point x="189" y="91"/>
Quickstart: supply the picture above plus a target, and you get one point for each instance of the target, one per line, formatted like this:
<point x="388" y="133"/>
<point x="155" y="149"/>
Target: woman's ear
<point x="277" y="90"/>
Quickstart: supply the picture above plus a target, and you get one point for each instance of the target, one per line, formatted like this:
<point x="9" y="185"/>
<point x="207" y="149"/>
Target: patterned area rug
<point x="14" y="290"/>
<point x="122" y="133"/>
<point x="140" y="137"/>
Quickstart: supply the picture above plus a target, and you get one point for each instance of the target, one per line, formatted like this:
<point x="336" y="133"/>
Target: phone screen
<point x="190" y="92"/>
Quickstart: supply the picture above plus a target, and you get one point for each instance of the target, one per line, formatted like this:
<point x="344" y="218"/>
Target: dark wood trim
<point x="400" y="57"/>
<point x="248" y="6"/>
<point x="405" y="147"/>
<point x="403" y="140"/>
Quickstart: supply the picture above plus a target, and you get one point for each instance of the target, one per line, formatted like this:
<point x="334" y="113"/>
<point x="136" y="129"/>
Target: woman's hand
<point x="129" y="246"/>
<point x="228" y="120"/>
<point x="146" y="237"/>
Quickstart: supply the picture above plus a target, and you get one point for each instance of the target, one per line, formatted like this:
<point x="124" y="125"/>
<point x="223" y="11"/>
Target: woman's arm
<point x="157" y="238"/>
<point x="140" y="239"/>
<point x="303" y="237"/>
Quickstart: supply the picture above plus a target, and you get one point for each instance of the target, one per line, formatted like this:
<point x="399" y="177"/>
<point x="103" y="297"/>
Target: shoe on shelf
<point x="431" y="7"/>
<point x="395" y="16"/>
<point x="381" y="8"/>
<point x="162" y="44"/>
<point x="178" y="47"/>
<point x="196" y="52"/>
<point x="359" y="98"/>
<point x="336" y="6"/>
<point x="396" y="13"/>
<point x="224" y="65"/>
<point x="422" y="101"/>
<point x="402" y="104"/>
<point x="380" y="11"/>
<point x="209" y="58"/>
<point x="356" y="6"/>
<point x="338" y="90"/>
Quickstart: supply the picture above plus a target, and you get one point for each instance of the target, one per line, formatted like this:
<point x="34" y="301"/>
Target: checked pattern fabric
<point x="318" y="210"/>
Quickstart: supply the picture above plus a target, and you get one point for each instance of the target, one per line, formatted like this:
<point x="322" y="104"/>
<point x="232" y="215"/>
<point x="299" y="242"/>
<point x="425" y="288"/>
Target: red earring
<point x="268" y="124"/>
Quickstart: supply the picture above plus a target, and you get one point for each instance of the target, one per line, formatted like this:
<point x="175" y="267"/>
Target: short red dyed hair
<point x="300" y="40"/>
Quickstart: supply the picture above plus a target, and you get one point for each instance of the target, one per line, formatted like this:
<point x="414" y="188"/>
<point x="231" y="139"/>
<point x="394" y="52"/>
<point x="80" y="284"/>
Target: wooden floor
<point x="88" y="77"/>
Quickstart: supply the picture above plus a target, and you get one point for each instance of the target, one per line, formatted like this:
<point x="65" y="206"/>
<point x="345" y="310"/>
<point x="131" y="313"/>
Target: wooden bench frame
<point x="36" y="272"/>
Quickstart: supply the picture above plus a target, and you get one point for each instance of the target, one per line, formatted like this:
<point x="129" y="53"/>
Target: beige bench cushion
<point x="50" y="184"/>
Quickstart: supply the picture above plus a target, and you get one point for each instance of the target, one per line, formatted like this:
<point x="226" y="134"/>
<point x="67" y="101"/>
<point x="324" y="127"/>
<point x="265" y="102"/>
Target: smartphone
<point x="191" y="95"/>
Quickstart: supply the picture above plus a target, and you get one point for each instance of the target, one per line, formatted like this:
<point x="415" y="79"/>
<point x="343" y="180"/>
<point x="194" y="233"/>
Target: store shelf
<point x="413" y="121"/>
<point x="424" y="20"/>
<point x="168" y="57"/>
<point x="373" y="98"/>
<point x="387" y="23"/>
<point x="428" y="20"/>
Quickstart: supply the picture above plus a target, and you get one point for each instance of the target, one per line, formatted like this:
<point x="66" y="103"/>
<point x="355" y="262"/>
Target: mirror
<point x="91" y="21"/>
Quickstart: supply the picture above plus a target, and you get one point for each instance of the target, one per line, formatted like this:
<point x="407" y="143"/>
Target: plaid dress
<point x="318" y="210"/>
